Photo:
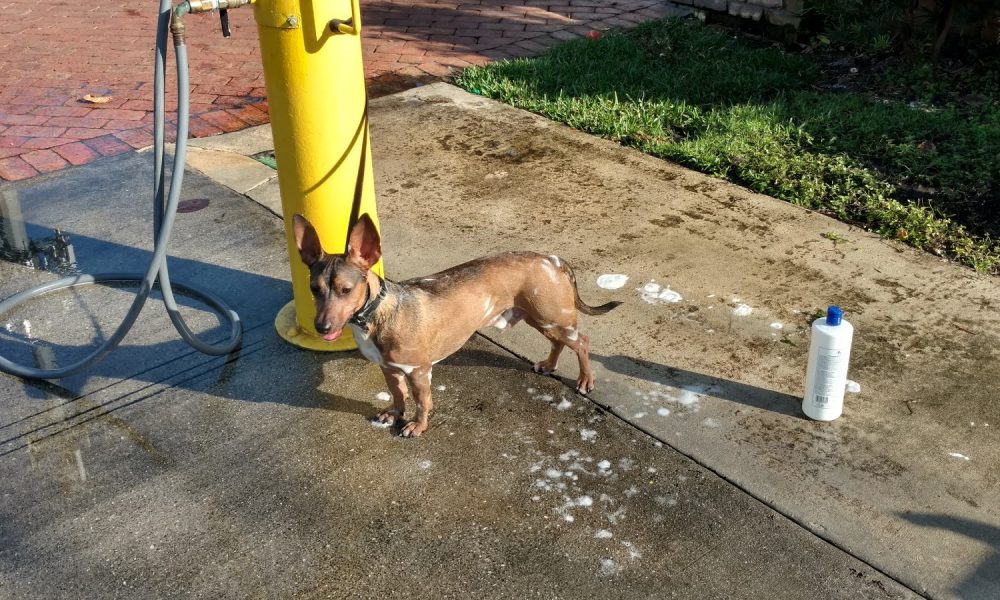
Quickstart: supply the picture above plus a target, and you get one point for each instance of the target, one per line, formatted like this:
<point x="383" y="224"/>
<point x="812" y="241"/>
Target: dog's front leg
<point x="397" y="387"/>
<point x="420" y="382"/>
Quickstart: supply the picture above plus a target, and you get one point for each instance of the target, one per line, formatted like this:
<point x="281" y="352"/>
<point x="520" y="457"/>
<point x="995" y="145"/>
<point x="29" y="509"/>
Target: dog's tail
<point x="583" y="306"/>
<point x="595" y="310"/>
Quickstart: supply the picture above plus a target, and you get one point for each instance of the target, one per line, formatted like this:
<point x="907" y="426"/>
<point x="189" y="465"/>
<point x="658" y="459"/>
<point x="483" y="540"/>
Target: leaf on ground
<point x="92" y="99"/>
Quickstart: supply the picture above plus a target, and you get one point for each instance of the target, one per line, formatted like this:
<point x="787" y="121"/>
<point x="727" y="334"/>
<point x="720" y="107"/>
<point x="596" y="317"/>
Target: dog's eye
<point x="315" y="288"/>
<point x="346" y="290"/>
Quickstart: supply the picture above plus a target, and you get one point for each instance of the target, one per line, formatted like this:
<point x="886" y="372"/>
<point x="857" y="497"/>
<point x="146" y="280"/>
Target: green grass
<point x="753" y="114"/>
<point x="267" y="158"/>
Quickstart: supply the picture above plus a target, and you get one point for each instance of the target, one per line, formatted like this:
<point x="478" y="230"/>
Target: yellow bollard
<point x="315" y="81"/>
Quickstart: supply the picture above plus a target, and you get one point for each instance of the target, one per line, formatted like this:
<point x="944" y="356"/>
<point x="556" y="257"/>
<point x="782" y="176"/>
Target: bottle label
<point x="831" y="368"/>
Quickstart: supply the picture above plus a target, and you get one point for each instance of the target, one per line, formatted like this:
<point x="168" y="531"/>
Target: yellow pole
<point x="317" y="102"/>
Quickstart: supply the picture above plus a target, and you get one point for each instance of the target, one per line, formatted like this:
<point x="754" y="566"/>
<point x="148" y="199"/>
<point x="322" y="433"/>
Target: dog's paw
<point x="387" y="418"/>
<point x="543" y="368"/>
<point x="413" y="429"/>
<point x="585" y="385"/>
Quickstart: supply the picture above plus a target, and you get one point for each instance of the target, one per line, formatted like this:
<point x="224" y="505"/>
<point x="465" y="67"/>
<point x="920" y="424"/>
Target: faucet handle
<point x="224" y="18"/>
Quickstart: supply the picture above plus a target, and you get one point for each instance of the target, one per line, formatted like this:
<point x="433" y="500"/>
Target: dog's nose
<point x="322" y="327"/>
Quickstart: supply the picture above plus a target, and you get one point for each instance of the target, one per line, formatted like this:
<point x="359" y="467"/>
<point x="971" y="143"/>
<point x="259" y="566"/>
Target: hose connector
<point x="177" y="23"/>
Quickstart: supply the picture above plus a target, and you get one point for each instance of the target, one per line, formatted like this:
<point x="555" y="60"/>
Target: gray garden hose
<point x="163" y="222"/>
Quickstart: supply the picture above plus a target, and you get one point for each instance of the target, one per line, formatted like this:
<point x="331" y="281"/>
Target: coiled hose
<point x="163" y="222"/>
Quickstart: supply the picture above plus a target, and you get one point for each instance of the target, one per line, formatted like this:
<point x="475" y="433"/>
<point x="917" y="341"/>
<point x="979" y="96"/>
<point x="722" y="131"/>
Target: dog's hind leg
<point x="548" y="365"/>
<point x="579" y="344"/>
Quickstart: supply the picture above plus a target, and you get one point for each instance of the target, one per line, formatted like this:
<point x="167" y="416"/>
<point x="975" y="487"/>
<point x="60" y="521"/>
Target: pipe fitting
<point x="341" y="26"/>
<point x="177" y="27"/>
<point x="202" y="6"/>
<point x="351" y="26"/>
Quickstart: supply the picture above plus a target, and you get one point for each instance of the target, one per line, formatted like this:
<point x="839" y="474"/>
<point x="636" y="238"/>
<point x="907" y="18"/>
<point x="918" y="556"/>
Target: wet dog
<point x="405" y="328"/>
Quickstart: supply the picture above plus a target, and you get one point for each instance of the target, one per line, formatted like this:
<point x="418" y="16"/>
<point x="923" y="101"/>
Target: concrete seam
<point x="266" y="181"/>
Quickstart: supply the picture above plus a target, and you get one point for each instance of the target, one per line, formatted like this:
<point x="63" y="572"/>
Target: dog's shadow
<point x="456" y="363"/>
<point x="724" y="389"/>
<point x="347" y="405"/>
<point x="501" y="358"/>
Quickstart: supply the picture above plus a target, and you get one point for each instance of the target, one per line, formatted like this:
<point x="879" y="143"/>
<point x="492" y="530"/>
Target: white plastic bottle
<point x="826" y="376"/>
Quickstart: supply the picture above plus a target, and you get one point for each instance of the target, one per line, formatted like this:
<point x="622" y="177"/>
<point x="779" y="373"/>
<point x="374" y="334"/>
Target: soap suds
<point x="609" y="568"/>
<point x="654" y="293"/>
<point x="611" y="281"/>
<point x="633" y="552"/>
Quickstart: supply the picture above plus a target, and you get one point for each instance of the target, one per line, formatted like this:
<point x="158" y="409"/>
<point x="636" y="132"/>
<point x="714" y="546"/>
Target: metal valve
<point x="198" y="6"/>
<point x="202" y="6"/>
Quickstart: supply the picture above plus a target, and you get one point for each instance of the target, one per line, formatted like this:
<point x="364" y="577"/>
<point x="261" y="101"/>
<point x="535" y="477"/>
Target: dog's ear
<point x="364" y="246"/>
<point x="306" y="240"/>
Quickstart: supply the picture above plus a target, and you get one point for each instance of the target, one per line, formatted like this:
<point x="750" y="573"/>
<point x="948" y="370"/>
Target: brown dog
<point x="405" y="328"/>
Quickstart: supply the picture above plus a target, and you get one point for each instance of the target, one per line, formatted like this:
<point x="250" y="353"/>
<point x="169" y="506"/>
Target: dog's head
<point x="338" y="281"/>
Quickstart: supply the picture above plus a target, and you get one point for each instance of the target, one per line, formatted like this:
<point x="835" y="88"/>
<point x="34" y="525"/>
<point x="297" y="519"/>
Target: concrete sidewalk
<point x="910" y="469"/>
<point x="908" y="479"/>
<point x="165" y="472"/>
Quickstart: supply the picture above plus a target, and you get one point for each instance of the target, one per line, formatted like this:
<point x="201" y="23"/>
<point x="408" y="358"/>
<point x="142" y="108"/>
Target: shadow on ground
<point x="725" y="389"/>
<point x="975" y="584"/>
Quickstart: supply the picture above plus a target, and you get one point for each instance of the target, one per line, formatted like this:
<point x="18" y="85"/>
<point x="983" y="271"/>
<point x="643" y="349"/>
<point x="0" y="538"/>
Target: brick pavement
<point x="54" y="53"/>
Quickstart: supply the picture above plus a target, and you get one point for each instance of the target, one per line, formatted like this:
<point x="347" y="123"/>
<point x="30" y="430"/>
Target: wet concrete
<point x="907" y="479"/>
<point x="104" y="212"/>
<point x="271" y="483"/>
<point x="166" y="473"/>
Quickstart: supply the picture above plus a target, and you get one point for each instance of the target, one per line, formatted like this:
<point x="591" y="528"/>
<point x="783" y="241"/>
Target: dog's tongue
<point x="333" y="335"/>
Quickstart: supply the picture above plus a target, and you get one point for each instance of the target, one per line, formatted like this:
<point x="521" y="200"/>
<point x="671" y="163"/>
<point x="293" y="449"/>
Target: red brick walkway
<point x="54" y="53"/>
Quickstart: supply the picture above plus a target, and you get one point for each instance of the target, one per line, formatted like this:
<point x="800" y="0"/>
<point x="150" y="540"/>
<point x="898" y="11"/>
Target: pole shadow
<point x="982" y="583"/>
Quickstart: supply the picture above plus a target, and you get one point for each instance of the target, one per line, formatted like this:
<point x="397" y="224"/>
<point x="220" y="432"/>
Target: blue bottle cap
<point x="834" y="315"/>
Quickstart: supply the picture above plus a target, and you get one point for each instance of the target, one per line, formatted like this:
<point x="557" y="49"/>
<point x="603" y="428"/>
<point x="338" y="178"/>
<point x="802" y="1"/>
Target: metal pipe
<point x="319" y="119"/>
